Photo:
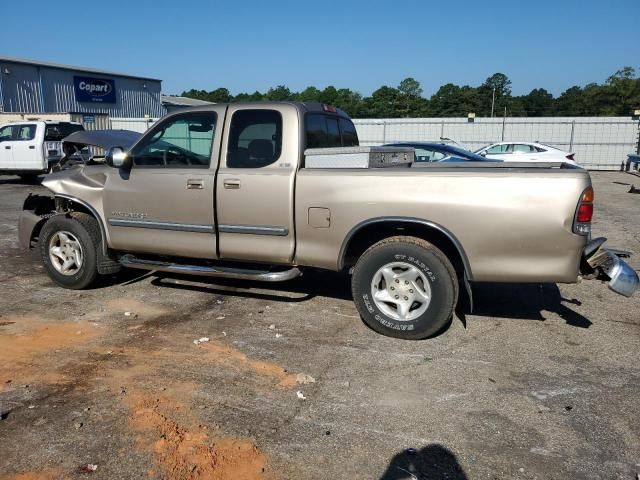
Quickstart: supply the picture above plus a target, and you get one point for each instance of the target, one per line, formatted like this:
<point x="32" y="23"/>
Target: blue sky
<point x="253" y="45"/>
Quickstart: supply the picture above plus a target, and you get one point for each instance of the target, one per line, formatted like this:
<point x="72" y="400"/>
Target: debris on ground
<point x="127" y="314"/>
<point x="221" y="317"/>
<point x="272" y="327"/>
<point x="304" y="379"/>
<point x="278" y="335"/>
<point x="300" y="395"/>
<point x="89" y="468"/>
<point x="201" y="340"/>
<point x="219" y="302"/>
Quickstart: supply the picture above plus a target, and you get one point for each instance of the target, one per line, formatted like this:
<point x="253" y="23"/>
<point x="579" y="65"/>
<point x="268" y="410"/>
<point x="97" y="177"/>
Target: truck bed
<point x="514" y="221"/>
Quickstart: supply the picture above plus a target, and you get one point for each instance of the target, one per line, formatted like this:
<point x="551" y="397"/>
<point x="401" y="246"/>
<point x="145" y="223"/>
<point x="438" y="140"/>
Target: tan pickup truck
<point x="223" y="191"/>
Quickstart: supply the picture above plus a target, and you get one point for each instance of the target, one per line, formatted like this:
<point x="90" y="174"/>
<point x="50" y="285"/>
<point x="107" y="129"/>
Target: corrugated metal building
<point x="89" y="96"/>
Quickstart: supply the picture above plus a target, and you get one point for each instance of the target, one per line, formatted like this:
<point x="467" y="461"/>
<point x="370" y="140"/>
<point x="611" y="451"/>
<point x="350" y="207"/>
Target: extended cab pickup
<point x="30" y="148"/>
<point x="223" y="191"/>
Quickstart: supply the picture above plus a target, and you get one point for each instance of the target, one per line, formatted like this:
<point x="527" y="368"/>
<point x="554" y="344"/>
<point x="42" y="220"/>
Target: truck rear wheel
<point x="405" y="287"/>
<point x="69" y="249"/>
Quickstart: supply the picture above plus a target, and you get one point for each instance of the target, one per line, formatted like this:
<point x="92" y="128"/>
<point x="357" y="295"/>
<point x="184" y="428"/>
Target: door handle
<point x="194" y="184"/>
<point x="232" y="183"/>
<point x="7" y="148"/>
<point x="32" y="147"/>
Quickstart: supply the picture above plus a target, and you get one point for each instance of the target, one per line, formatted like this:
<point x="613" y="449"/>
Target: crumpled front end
<point x="81" y="185"/>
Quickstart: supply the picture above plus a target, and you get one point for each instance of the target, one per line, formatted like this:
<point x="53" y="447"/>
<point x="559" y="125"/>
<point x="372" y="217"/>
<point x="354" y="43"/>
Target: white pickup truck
<point x="30" y="148"/>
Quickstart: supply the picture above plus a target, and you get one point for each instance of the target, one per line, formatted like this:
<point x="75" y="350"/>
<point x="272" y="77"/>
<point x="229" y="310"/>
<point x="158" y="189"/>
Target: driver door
<point x="165" y="203"/>
<point x="6" y="152"/>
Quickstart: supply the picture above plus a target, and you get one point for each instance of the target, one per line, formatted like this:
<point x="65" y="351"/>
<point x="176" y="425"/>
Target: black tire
<point x="436" y="269"/>
<point x="85" y="229"/>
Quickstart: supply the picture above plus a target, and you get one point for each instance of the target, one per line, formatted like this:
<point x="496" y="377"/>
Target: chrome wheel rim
<point x="401" y="291"/>
<point x="65" y="253"/>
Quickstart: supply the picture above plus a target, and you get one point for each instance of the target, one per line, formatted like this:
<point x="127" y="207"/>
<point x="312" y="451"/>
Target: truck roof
<point x="301" y="106"/>
<point x="46" y="122"/>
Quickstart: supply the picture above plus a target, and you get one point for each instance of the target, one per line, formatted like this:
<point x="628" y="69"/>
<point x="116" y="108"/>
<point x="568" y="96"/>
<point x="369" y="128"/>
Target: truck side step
<point x="131" y="261"/>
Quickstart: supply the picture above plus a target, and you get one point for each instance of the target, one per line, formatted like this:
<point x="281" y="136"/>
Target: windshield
<point x="55" y="132"/>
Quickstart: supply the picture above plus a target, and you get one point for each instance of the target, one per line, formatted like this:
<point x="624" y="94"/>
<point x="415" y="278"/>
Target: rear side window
<point x="25" y="132"/>
<point x="325" y="131"/>
<point x="57" y="131"/>
<point x="521" y="148"/>
<point x="255" y="139"/>
<point x="349" y="134"/>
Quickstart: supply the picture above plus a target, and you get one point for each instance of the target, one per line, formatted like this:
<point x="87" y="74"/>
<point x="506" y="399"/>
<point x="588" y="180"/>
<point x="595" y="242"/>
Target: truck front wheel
<point x="69" y="249"/>
<point x="405" y="287"/>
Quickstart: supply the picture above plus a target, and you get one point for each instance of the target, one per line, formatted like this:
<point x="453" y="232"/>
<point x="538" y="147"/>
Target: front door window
<point x="181" y="141"/>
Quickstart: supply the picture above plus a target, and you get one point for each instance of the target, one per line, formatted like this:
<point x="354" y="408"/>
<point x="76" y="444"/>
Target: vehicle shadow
<point x="431" y="462"/>
<point x="496" y="300"/>
<point x="19" y="181"/>
<point x="524" y="301"/>
<point x="310" y="285"/>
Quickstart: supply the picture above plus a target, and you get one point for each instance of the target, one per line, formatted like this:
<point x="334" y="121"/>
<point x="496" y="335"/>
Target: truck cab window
<point x="255" y="139"/>
<point x="182" y="141"/>
<point x="327" y="131"/>
<point x="26" y="132"/>
<point x="349" y="134"/>
<point x="56" y="132"/>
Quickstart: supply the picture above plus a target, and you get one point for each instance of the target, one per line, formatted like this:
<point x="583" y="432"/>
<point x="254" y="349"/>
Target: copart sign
<point x="95" y="90"/>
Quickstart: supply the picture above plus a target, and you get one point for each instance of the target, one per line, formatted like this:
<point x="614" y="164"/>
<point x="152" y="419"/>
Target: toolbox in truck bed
<point x="359" y="157"/>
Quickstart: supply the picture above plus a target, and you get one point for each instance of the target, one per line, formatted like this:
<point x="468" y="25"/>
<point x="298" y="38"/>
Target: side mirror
<point x="116" y="157"/>
<point x="483" y="154"/>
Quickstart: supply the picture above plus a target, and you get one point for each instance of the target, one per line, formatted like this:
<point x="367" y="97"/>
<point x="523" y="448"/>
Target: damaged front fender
<point x="35" y="212"/>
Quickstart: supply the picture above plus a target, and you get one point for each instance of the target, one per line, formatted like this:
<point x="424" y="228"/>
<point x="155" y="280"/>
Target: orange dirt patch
<point x="184" y="452"/>
<point x="24" y="350"/>
<point x="49" y="474"/>
<point x="230" y="357"/>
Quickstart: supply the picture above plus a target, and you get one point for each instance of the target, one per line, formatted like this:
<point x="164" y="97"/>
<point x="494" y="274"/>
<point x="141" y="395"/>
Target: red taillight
<point x="570" y="156"/>
<point x="585" y="213"/>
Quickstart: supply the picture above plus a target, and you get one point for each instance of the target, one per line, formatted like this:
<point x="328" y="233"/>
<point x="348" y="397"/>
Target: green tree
<point x="495" y="90"/>
<point x="309" y="94"/>
<point x="570" y="103"/>
<point x="453" y="101"/>
<point x="537" y="103"/>
<point x="411" y="102"/>
<point x="383" y="103"/>
<point x="249" y="97"/>
<point x="624" y="87"/>
<point x="279" y="93"/>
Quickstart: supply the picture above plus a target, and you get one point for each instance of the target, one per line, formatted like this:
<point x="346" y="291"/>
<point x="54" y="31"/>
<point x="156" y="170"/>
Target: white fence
<point x="600" y="143"/>
<point x="135" y="124"/>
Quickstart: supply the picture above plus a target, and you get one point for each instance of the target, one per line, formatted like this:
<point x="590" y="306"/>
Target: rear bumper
<point x="623" y="279"/>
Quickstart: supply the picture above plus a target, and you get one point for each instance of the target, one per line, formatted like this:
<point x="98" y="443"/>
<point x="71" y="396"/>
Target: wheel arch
<point x="68" y="202"/>
<point x="370" y="231"/>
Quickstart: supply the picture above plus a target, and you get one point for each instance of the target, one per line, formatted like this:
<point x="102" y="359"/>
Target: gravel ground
<point x="541" y="381"/>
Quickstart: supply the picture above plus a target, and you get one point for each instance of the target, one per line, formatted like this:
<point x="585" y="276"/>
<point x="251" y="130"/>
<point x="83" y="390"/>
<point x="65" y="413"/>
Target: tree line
<point x="619" y="95"/>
